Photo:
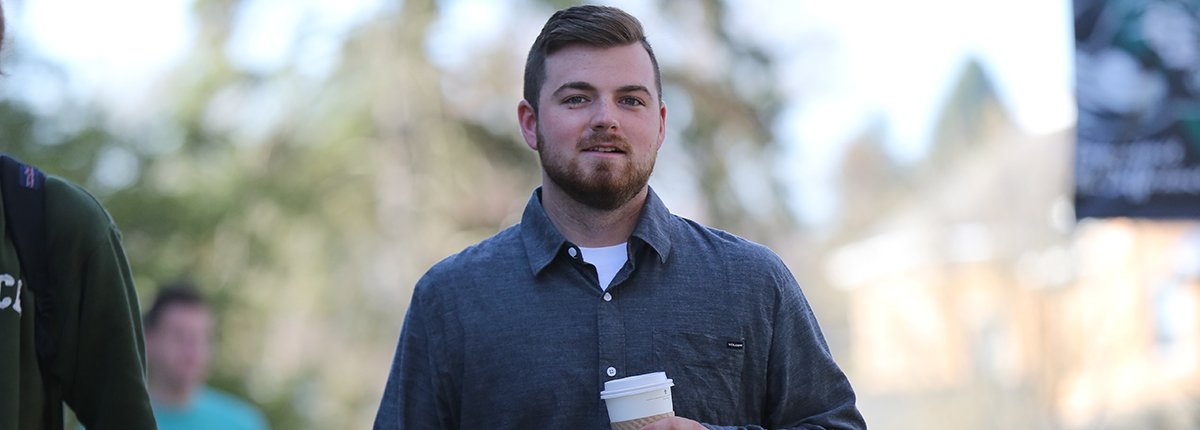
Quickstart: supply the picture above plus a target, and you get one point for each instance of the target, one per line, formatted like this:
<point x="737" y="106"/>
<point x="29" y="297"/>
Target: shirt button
<point x="572" y="252"/>
<point x="612" y="371"/>
<point x="607" y="297"/>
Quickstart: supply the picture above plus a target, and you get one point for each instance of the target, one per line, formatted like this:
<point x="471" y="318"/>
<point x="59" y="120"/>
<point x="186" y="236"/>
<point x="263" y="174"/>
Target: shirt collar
<point x="543" y="241"/>
<point x="653" y="224"/>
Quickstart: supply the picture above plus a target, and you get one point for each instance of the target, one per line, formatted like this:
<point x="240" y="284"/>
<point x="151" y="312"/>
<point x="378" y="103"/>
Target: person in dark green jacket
<point x="101" y="352"/>
<point x="100" y="358"/>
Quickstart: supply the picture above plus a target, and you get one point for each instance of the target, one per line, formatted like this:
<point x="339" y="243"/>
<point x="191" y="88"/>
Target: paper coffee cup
<point x="638" y="400"/>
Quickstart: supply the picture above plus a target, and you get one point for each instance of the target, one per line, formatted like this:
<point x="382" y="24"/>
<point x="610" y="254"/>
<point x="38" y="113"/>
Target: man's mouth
<point x="606" y="149"/>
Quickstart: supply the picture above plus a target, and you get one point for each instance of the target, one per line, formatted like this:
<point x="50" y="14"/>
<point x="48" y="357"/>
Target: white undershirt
<point x="608" y="261"/>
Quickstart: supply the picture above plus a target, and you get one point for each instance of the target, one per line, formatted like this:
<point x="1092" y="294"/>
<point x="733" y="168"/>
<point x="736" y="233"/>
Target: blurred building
<point x="976" y="302"/>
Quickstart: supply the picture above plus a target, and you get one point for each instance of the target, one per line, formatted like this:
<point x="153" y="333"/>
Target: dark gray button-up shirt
<point x="516" y="333"/>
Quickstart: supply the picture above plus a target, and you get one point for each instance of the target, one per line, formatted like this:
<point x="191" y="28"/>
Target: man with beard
<point x="599" y="281"/>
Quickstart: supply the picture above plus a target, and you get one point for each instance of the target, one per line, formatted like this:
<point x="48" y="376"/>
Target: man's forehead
<point x="187" y="310"/>
<point x="615" y="67"/>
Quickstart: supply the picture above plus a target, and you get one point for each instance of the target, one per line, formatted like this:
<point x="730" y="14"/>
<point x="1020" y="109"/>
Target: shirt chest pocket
<point x="716" y="352"/>
<point x="707" y="370"/>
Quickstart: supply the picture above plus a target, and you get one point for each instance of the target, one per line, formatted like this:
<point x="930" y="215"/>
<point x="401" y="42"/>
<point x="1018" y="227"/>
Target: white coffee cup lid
<point x="635" y="385"/>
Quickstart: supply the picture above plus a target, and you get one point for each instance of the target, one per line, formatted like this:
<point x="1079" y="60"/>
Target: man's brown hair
<point x="179" y="293"/>
<point x="598" y="26"/>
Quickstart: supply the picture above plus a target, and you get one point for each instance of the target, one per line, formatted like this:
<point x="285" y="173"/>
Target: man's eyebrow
<point x="577" y="85"/>
<point x="633" y="88"/>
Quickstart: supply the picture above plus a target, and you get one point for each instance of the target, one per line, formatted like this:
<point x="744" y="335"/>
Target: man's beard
<point x="603" y="189"/>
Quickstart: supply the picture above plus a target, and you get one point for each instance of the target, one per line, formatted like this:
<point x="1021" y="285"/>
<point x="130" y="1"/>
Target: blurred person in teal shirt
<point x="178" y="341"/>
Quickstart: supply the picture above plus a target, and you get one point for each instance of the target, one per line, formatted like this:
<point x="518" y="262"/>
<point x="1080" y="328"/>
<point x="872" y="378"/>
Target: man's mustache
<point x="611" y="139"/>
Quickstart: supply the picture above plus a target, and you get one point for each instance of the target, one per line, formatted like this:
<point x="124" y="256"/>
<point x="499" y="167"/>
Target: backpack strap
<point x="25" y="215"/>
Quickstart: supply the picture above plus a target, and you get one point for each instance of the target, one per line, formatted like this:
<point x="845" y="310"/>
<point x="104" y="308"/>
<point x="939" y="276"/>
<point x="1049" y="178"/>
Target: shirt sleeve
<point x="101" y="358"/>
<point x="106" y="387"/>
<point x="260" y="421"/>
<point x="806" y="388"/>
<point x="413" y="397"/>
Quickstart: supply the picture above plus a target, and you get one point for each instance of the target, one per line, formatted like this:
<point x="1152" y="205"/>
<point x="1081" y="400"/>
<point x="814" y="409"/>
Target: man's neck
<point x="589" y="227"/>
<point x="170" y="395"/>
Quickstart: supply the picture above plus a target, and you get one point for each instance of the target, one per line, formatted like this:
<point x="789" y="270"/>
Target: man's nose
<point x="605" y="116"/>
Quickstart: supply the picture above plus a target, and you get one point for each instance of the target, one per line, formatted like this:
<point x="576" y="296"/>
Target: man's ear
<point x="662" y="124"/>
<point x="527" y="117"/>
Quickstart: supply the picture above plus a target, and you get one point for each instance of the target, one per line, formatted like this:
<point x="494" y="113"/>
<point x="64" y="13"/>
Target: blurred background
<point x="305" y="161"/>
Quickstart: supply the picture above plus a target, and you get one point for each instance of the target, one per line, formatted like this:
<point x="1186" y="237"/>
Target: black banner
<point x="1137" y="68"/>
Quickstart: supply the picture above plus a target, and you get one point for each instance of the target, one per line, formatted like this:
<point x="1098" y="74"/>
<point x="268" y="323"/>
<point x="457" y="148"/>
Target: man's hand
<point x="674" y="423"/>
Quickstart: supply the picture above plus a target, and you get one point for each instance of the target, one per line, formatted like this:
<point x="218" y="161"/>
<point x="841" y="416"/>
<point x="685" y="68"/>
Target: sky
<point x="878" y="60"/>
<point x="897" y="63"/>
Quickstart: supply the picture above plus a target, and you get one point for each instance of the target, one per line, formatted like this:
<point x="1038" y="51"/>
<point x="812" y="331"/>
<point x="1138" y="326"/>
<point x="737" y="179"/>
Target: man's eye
<point x="574" y="100"/>
<point x="633" y="101"/>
